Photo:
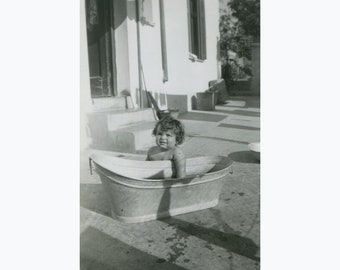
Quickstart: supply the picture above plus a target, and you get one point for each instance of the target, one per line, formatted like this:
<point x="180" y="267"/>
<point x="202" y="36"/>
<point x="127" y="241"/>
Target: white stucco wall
<point x="195" y="75"/>
<point x="184" y="76"/>
<point x="121" y="45"/>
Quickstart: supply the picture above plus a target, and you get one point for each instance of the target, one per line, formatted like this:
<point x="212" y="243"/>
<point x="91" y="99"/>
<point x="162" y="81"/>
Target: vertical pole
<point x="139" y="54"/>
<point x="163" y="42"/>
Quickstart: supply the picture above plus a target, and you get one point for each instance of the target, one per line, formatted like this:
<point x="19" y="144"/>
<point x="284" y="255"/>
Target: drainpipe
<point x="139" y="54"/>
<point x="163" y="42"/>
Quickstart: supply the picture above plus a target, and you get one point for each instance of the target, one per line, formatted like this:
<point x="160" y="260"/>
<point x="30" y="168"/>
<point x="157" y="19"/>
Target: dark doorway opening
<point x="100" y="41"/>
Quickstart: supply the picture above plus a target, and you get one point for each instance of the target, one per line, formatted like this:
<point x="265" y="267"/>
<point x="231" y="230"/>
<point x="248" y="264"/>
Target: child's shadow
<point x="165" y="202"/>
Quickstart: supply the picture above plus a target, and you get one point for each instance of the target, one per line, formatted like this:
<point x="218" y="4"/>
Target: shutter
<point x="202" y="33"/>
<point x="189" y="25"/>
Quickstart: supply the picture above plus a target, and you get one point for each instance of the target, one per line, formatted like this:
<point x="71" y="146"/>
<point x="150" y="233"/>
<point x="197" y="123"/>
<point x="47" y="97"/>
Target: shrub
<point x="237" y="31"/>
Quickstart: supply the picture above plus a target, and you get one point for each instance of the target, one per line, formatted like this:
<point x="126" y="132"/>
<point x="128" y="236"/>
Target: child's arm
<point x="148" y="156"/>
<point x="180" y="161"/>
<point x="150" y="153"/>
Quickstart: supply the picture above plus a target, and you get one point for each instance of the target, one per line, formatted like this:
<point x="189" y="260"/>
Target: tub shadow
<point x="232" y="242"/>
<point x="243" y="157"/>
<point x="101" y="251"/>
<point x="93" y="198"/>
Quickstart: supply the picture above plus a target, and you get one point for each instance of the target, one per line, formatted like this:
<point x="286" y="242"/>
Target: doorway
<point x="100" y="42"/>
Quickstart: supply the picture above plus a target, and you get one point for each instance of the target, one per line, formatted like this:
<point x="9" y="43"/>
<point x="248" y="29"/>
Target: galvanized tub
<point x="143" y="190"/>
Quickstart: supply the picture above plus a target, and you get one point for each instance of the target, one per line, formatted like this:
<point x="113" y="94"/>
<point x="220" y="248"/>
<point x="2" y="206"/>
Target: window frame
<point x="197" y="30"/>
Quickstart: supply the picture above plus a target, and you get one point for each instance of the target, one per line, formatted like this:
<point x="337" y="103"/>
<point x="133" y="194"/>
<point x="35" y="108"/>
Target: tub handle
<point x="231" y="171"/>
<point x="90" y="164"/>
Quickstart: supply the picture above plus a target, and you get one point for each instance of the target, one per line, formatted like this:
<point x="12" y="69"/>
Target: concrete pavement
<point x="223" y="237"/>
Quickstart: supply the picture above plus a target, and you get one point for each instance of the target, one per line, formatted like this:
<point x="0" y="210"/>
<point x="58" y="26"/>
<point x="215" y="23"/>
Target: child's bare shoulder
<point x="178" y="153"/>
<point x="154" y="154"/>
<point x="153" y="149"/>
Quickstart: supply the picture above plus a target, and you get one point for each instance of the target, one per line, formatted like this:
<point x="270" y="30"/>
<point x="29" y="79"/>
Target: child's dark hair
<point x="170" y="123"/>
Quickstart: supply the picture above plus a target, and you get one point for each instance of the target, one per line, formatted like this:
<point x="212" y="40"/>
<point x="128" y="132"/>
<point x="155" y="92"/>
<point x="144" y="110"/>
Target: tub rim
<point x="170" y="186"/>
<point x="228" y="162"/>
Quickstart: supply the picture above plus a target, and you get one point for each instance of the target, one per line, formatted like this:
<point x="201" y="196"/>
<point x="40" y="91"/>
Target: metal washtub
<point x="143" y="190"/>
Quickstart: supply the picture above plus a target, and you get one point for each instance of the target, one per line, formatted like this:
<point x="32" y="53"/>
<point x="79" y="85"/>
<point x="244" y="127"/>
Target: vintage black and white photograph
<point x="170" y="134"/>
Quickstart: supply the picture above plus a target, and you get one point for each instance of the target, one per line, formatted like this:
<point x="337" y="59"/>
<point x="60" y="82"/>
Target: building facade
<point x="169" y="48"/>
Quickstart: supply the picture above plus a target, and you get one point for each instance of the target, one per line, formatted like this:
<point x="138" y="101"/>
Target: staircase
<point x="128" y="130"/>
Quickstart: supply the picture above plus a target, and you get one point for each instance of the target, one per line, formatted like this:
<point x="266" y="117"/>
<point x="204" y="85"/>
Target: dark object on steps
<point x="161" y="113"/>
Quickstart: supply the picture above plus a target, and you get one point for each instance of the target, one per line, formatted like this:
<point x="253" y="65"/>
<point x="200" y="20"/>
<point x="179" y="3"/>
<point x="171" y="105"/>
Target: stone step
<point x="116" y="103"/>
<point x="121" y="119"/>
<point x="138" y="138"/>
<point x="133" y="138"/>
<point x="130" y="131"/>
<point x="108" y="128"/>
<point x="115" y="119"/>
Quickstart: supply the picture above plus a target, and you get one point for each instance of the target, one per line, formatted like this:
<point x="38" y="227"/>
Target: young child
<point x="169" y="133"/>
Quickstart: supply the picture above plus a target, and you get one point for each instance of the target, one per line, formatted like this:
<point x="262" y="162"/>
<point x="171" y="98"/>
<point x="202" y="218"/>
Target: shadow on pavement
<point x="239" y="112"/>
<point x="238" y="126"/>
<point x="100" y="251"/>
<point x="243" y="157"/>
<point x="230" y="241"/>
<point x="201" y="116"/>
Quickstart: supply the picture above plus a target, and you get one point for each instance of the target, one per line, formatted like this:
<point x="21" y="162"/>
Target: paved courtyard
<point x="223" y="237"/>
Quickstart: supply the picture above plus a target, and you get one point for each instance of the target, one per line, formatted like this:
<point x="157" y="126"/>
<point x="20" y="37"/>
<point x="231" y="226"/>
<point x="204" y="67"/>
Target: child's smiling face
<point x="165" y="139"/>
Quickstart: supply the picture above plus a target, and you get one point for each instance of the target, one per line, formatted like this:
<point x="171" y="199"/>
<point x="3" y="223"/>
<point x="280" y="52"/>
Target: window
<point x="197" y="39"/>
<point x="100" y="47"/>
